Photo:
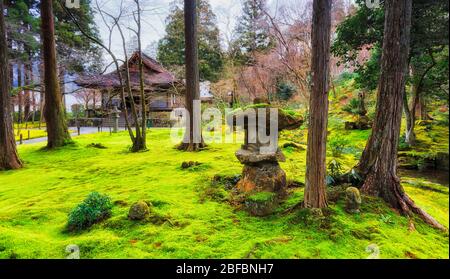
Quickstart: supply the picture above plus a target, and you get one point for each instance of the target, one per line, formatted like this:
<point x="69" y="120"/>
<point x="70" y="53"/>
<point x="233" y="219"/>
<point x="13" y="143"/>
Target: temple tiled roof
<point x="155" y="76"/>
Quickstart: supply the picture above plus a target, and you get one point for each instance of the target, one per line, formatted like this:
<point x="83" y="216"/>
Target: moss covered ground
<point x="194" y="218"/>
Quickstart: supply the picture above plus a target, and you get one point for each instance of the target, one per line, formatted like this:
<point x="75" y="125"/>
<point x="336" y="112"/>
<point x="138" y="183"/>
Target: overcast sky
<point x="156" y="12"/>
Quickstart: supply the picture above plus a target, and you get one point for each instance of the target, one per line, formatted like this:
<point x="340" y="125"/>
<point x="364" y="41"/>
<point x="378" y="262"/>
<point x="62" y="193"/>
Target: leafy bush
<point x="345" y="77"/>
<point x="285" y="91"/>
<point x="93" y="209"/>
<point x="334" y="169"/>
<point x="402" y="145"/>
<point x="353" y="106"/>
<point x="337" y="146"/>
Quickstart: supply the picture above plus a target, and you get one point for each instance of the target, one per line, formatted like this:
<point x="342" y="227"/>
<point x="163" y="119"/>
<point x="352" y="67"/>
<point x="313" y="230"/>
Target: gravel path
<point x="83" y="131"/>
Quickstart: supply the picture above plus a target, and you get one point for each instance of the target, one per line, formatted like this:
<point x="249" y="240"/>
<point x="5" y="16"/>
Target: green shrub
<point x="353" y="106"/>
<point x="334" y="171"/>
<point x="337" y="145"/>
<point x="93" y="209"/>
<point x="285" y="90"/>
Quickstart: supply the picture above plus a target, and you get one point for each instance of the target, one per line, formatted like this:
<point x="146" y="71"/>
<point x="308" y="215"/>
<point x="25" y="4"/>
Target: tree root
<point x="398" y="199"/>
<point x="409" y="206"/>
<point x="191" y="147"/>
<point x="293" y="208"/>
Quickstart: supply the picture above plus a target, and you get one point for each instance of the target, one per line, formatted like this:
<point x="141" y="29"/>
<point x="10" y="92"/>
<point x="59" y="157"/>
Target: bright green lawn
<point x="35" y="201"/>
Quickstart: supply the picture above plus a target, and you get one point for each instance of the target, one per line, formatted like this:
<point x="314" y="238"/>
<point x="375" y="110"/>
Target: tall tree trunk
<point x="27" y="93"/>
<point x="54" y="113"/>
<point x="362" y="103"/>
<point x="9" y="159"/>
<point x="19" y="94"/>
<point x="410" y="135"/>
<point x="422" y="105"/>
<point x="41" y="93"/>
<point x="142" y="141"/>
<point x="378" y="164"/>
<point x="315" y="190"/>
<point x="192" y="139"/>
<point x="62" y="86"/>
<point x="33" y="95"/>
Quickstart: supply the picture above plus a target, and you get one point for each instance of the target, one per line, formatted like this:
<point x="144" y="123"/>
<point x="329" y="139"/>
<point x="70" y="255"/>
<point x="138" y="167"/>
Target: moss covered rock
<point x="261" y="203"/>
<point x="189" y="164"/>
<point x="353" y="200"/>
<point x="139" y="211"/>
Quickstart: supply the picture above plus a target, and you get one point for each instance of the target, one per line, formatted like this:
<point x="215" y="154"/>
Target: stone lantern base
<point x="262" y="172"/>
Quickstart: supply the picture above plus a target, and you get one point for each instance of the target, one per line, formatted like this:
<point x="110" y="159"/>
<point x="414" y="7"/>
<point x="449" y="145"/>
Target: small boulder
<point x="186" y="165"/>
<point x="139" y="211"/>
<point x="353" y="200"/>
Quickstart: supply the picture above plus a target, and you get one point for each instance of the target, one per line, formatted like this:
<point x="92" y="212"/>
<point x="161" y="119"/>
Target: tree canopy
<point x="171" y="47"/>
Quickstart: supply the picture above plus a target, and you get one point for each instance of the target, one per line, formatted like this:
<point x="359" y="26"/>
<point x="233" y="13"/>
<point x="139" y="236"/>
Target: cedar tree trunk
<point x="315" y="190"/>
<point x="192" y="77"/>
<point x="9" y="159"/>
<point x="54" y="112"/>
<point x="378" y="164"/>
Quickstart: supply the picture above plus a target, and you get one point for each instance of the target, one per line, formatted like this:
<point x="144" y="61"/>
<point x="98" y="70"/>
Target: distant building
<point x="205" y="92"/>
<point x="163" y="90"/>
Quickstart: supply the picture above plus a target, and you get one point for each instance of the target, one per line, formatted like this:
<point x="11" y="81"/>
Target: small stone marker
<point x="116" y="115"/>
<point x="353" y="200"/>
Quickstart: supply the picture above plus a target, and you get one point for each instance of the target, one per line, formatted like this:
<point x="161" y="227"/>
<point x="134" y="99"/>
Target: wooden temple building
<point x="163" y="91"/>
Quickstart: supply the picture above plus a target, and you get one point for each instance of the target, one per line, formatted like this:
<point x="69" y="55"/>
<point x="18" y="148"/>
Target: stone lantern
<point x="262" y="172"/>
<point x="115" y="115"/>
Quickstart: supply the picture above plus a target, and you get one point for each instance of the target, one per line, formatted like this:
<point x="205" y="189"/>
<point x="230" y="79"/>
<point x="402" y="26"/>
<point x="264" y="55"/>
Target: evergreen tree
<point x="252" y="31"/>
<point x="378" y="163"/>
<point x="171" y="48"/>
<point x="75" y="51"/>
<point x="428" y="44"/>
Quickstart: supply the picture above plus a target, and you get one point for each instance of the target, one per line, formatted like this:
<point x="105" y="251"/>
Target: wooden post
<point x="21" y="139"/>
<point x="29" y="134"/>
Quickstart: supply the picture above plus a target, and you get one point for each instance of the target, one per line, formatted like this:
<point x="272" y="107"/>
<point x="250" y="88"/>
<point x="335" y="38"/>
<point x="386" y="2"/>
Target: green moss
<point x="261" y="197"/>
<point x="35" y="202"/>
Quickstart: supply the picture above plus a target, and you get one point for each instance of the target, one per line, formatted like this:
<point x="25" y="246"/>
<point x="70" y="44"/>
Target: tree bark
<point x="315" y="190"/>
<point x="54" y="113"/>
<point x="192" y="139"/>
<point x="410" y="135"/>
<point x="378" y="164"/>
<point x="19" y="94"/>
<point x="62" y="87"/>
<point x="9" y="159"/>
<point x="41" y="93"/>
<point x="27" y="93"/>
<point x="142" y="145"/>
